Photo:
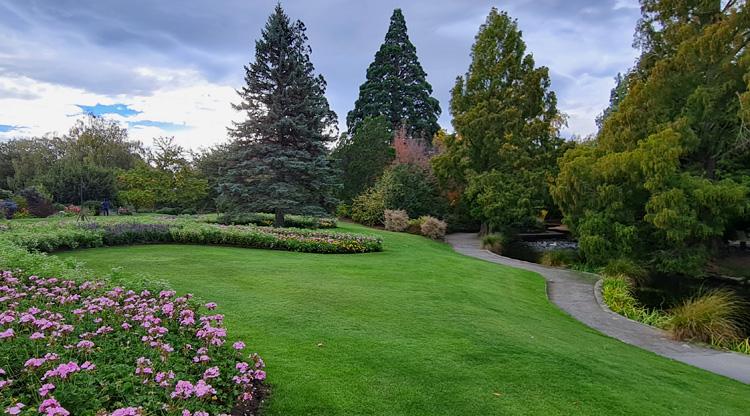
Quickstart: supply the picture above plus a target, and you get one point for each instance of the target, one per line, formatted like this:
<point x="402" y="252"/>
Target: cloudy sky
<point x="170" y="67"/>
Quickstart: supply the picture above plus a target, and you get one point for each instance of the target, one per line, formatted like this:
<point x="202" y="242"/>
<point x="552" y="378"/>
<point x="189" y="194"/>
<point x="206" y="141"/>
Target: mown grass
<point x="420" y="330"/>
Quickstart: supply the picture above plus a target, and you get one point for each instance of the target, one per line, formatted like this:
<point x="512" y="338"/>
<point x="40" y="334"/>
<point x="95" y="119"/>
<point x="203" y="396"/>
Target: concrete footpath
<point x="575" y="293"/>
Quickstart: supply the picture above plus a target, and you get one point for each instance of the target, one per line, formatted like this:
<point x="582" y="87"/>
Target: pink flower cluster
<point x="79" y="325"/>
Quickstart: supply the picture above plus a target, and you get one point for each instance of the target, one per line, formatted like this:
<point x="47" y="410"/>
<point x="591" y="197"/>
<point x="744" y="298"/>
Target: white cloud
<point x="202" y="106"/>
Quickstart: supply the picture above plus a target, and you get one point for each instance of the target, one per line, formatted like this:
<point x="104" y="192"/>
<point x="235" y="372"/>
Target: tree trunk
<point x="484" y="229"/>
<point x="279" y="220"/>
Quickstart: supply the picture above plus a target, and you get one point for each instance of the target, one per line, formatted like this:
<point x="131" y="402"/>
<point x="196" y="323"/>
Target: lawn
<point x="420" y="330"/>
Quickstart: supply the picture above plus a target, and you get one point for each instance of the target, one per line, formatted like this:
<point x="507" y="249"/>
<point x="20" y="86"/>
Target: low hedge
<point x="48" y="237"/>
<point x="264" y="219"/>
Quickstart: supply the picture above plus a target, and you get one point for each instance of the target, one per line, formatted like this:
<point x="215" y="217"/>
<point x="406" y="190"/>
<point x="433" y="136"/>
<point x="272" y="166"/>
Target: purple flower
<point x="15" y="409"/>
<point x="202" y="388"/>
<point x="51" y="407"/>
<point x="212" y="372"/>
<point x="126" y="411"/>
<point x="183" y="390"/>
<point x="46" y="388"/>
<point x="211" y="306"/>
<point x="7" y="334"/>
<point x="238" y="345"/>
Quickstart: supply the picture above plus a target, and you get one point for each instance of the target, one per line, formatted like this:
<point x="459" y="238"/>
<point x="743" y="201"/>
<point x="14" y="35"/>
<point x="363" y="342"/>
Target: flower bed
<point x="263" y="219"/>
<point x="65" y="235"/>
<point x="69" y="347"/>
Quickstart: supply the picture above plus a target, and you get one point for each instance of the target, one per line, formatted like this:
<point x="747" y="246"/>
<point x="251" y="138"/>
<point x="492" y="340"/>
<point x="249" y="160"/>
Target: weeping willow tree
<point x="668" y="173"/>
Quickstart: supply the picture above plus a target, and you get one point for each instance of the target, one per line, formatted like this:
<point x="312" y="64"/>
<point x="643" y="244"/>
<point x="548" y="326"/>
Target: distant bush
<point x="495" y="242"/>
<point x="189" y="211"/>
<point x="124" y="211"/>
<point x="396" y="220"/>
<point x="266" y="219"/>
<point x="8" y="208"/>
<point x="415" y="226"/>
<point x="368" y="208"/>
<point x="434" y="228"/>
<point x="713" y="317"/>
<point x="168" y="211"/>
<point x="93" y="207"/>
<point x="559" y="258"/>
<point x="344" y="211"/>
<point x="625" y="267"/>
<point x="39" y="203"/>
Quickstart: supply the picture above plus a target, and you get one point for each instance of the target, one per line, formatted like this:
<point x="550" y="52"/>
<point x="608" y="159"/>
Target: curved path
<point x="576" y="293"/>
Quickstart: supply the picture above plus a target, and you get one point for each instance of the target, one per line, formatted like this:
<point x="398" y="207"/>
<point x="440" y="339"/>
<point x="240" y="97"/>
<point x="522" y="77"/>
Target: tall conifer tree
<point x="279" y="158"/>
<point x="396" y="87"/>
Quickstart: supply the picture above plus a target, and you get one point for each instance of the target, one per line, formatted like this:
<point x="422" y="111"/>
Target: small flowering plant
<point x="76" y="348"/>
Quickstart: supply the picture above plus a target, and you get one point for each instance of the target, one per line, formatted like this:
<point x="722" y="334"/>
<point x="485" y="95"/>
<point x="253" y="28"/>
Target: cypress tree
<point x="396" y="87"/>
<point x="279" y="160"/>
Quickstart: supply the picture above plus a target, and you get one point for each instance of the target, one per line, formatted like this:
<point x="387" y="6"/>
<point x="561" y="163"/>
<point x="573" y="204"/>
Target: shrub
<point x="189" y="211"/>
<point x="712" y="316"/>
<point x="413" y="189"/>
<point x="168" y="211"/>
<point x="266" y="219"/>
<point x="39" y="202"/>
<point x="344" y="211"/>
<point x="396" y="220"/>
<point x="495" y="242"/>
<point x="368" y="208"/>
<point x="48" y="237"/>
<point x="81" y="347"/>
<point x="625" y="267"/>
<point x="559" y="258"/>
<point x="92" y="207"/>
<point x="433" y="228"/>
<point x="415" y="226"/>
<point x="124" y="211"/>
<point x="8" y="208"/>
<point x="617" y="293"/>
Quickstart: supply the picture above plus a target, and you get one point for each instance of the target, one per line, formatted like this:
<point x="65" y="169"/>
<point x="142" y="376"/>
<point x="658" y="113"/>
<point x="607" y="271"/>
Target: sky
<point x="171" y="67"/>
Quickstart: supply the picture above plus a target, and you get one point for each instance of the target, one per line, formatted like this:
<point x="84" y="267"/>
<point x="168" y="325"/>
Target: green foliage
<point x="559" y="258"/>
<point x="363" y="157"/>
<point x="279" y="160"/>
<point x="496" y="242"/>
<point x="617" y="294"/>
<point x="39" y="202"/>
<point x="66" y="235"/>
<point x="368" y="207"/>
<point x="625" y="267"/>
<point x="267" y="219"/>
<point x="71" y="182"/>
<point x="712" y="317"/>
<point x="146" y="188"/>
<point x="663" y="180"/>
<point x="506" y="123"/>
<point x="396" y="87"/>
<point x="412" y="189"/>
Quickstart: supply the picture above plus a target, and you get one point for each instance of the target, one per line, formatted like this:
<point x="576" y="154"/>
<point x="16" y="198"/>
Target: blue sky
<point x="170" y="67"/>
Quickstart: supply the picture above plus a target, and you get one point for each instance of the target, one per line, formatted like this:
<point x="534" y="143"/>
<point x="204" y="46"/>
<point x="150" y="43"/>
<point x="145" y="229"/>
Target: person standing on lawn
<point x="105" y="207"/>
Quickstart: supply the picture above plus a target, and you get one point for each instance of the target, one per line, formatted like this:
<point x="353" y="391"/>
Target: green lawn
<point x="420" y="330"/>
